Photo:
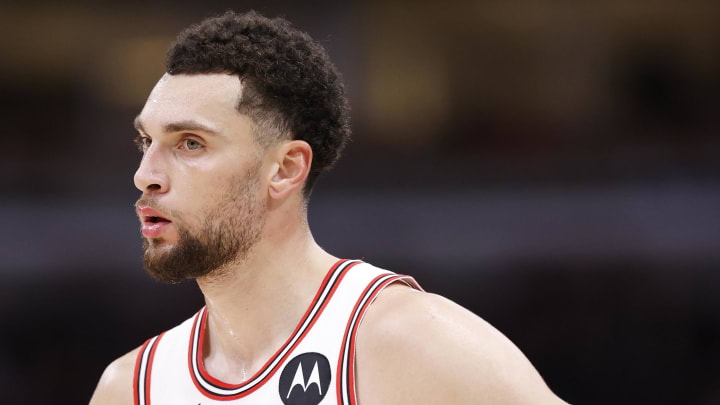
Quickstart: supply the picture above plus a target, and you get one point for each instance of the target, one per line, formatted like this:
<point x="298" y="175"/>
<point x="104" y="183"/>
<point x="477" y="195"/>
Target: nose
<point x="151" y="177"/>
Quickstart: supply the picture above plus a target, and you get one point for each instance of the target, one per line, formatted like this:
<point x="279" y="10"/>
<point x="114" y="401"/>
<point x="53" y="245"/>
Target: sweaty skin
<point x="412" y="347"/>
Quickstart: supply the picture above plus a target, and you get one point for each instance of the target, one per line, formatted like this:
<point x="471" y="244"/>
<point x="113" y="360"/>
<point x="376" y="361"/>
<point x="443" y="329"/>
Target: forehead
<point x="209" y="99"/>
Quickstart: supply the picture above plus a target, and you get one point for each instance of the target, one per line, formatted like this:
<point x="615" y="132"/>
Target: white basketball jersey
<point x="315" y="365"/>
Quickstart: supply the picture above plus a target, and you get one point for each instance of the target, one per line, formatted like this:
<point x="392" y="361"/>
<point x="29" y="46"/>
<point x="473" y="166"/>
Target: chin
<point x="159" y="243"/>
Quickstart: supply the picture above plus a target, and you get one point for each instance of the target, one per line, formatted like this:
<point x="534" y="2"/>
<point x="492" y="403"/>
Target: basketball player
<point x="233" y="136"/>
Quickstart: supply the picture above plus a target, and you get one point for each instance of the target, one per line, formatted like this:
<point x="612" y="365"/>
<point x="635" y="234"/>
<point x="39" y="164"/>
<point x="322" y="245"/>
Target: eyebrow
<point x="138" y="124"/>
<point x="185" y="125"/>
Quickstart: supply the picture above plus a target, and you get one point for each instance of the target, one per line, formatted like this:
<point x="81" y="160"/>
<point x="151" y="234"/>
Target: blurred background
<point x="551" y="165"/>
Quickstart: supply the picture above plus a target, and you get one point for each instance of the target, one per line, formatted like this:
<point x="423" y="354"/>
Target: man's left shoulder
<point x="417" y="347"/>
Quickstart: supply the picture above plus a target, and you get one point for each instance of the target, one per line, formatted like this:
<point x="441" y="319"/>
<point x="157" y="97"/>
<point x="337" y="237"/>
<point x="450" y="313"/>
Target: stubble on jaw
<point x="229" y="231"/>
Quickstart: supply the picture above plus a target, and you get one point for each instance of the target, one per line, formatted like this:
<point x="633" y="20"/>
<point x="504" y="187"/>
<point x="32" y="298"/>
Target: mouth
<point x="155" y="219"/>
<point x="154" y="224"/>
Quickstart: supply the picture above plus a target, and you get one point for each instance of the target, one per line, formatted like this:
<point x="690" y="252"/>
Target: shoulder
<point x="116" y="384"/>
<point x="416" y="347"/>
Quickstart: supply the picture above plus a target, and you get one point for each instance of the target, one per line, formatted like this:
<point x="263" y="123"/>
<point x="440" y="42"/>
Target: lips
<point x="154" y="223"/>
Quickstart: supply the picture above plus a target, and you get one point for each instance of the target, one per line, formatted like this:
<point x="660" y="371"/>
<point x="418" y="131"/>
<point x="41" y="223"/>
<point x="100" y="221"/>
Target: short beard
<point x="229" y="232"/>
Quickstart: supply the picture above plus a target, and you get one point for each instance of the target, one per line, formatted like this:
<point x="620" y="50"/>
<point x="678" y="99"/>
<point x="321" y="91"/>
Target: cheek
<point x="201" y="187"/>
<point x="200" y="180"/>
<point x="200" y="194"/>
<point x="192" y="195"/>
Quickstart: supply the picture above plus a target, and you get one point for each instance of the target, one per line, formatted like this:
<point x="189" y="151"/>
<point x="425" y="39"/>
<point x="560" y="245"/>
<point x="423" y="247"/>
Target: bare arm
<point x="116" y="384"/>
<point x="422" y="348"/>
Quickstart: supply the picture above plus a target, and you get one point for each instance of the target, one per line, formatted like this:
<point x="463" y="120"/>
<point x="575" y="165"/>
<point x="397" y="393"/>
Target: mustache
<point x="153" y="204"/>
<point x="175" y="216"/>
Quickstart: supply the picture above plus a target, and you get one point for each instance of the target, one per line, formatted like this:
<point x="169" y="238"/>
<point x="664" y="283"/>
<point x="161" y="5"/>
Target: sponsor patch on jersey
<point x="305" y="379"/>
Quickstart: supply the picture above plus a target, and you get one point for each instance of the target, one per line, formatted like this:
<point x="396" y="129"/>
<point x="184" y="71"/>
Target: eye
<point x="142" y="142"/>
<point x="192" y="144"/>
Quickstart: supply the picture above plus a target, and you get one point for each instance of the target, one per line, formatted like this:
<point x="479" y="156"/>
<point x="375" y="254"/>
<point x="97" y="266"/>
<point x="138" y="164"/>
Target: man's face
<point x="202" y="208"/>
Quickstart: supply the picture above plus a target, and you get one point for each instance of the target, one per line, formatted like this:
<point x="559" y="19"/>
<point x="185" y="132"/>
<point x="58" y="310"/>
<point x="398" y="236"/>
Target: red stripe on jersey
<point x="224" y="385"/>
<point x="338" y="382"/>
<point x="351" y="360"/>
<point x="136" y="399"/>
<point x="149" y="368"/>
<point x="353" y="333"/>
<point x="192" y="334"/>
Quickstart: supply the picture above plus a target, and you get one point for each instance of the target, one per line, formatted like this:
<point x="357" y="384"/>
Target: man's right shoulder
<point x="116" y="384"/>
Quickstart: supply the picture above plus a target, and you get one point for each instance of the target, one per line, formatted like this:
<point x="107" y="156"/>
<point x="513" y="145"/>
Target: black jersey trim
<point x="346" y="394"/>
<point x="143" y="371"/>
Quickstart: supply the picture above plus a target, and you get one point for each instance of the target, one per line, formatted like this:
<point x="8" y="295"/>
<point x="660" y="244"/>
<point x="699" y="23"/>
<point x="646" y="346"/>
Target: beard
<point x="228" y="232"/>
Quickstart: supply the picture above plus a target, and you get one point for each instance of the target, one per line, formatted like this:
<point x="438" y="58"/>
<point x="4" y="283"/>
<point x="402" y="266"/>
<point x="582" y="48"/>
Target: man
<point x="249" y="113"/>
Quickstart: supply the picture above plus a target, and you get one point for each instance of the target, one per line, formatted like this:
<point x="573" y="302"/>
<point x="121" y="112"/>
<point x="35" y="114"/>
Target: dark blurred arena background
<point x="551" y="165"/>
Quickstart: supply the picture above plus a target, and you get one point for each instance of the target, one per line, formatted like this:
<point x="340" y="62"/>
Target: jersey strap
<point x="345" y="380"/>
<point x="143" y="371"/>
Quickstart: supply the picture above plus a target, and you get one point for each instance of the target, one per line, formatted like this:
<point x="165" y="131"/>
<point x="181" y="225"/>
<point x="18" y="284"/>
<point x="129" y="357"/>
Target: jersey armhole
<point x="345" y="381"/>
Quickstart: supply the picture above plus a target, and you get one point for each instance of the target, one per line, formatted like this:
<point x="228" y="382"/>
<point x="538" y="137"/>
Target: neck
<point x="254" y="308"/>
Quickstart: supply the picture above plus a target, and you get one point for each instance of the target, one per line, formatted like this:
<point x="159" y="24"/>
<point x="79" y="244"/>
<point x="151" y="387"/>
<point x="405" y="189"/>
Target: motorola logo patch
<point x="305" y="379"/>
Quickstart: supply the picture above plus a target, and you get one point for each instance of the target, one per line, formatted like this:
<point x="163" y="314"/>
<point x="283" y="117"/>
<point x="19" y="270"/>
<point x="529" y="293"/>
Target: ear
<point x="291" y="168"/>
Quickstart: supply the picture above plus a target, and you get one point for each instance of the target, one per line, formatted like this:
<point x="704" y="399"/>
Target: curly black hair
<point x="291" y="89"/>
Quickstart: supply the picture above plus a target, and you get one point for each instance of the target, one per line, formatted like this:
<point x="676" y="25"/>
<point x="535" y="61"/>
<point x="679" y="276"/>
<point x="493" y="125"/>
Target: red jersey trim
<point x="345" y="373"/>
<point x="143" y="371"/>
<point x="222" y="391"/>
<point x="136" y="373"/>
